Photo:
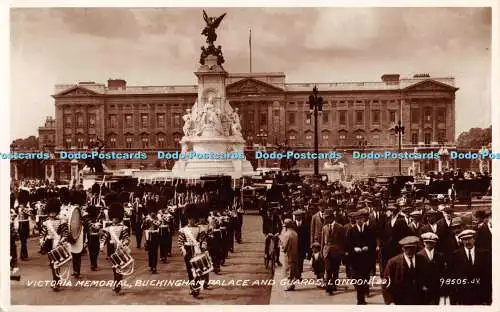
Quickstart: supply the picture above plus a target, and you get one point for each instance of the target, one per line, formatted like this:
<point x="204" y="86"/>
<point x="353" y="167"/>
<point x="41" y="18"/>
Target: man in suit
<point x="289" y="242"/>
<point x="435" y="268"/>
<point x="405" y="273"/>
<point x="317" y="222"/>
<point x="473" y="267"/>
<point x="376" y="221"/>
<point x="483" y="235"/>
<point x="360" y="242"/>
<point x="332" y="245"/>
<point x="396" y="228"/>
<point x="451" y="241"/>
<point x="302" y="230"/>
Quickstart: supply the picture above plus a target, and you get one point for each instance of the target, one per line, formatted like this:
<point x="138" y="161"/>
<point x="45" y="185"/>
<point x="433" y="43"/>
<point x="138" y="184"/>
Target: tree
<point x="475" y="138"/>
<point x="30" y="143"/>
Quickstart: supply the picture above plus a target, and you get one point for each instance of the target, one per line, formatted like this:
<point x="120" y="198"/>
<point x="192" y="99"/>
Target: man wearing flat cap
<point x="473" y="267"/>
<point x="434" y="269"/>
<point x="302" y="230"/>
<point x="405" y="272"/>
<point x="289" y="242"/>
<point x="317" y="222"/>
<point x="333" y="244"/>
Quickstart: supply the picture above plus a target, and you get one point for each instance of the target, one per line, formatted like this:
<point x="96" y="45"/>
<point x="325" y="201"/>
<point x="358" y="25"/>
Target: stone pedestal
<point x="212" y="143"/>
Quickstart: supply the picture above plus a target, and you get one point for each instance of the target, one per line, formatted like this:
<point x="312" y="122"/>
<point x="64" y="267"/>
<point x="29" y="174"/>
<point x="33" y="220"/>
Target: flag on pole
<point x="250" y="46"/>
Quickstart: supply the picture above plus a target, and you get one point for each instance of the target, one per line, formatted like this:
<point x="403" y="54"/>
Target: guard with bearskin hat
<point x="151" y="227"/>
<point x="54" y="232"/>
<point x="24" y="213"/>
<point x="116" y="235"/>
<point x="192" y="241"/>
<point x="78" y="245"/>
<point x="13" y="248"/>
<point x="93" y="228"/>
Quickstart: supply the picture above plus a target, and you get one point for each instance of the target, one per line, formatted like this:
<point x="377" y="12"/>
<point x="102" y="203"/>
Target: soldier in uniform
<point x="151" y="226"/>
<point x="117" y="236"/>
<point x="333" y="247"/>
<point x="24" y="223"/>
<point x="13" y="248"/>
<point x="165" y="234"/>
<point x="139" y="212"/>
<point x="434" y="270"/>
<point x="93" y="229"/>
<point x="214" y="241"/>
<point x="473" y="267"/>
<point x="406" y="273"/>
<point x="54" y="232"/>
<point x="192" y="241"/>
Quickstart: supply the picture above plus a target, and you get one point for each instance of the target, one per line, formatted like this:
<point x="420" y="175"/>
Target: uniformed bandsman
<point x="54" y="232"/>
<point x="24" y="213"/>
<point x="151" y="228"/>
<point x="93" y="231"/>
<point x="116" y="235"/>
<point x="165" y="234"/>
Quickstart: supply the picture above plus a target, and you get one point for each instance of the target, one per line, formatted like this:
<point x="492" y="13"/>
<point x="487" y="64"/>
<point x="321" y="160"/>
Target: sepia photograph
<point x="250" y="156"/>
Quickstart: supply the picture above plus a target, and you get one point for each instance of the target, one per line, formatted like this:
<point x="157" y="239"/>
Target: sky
<point x="149" y="46"/>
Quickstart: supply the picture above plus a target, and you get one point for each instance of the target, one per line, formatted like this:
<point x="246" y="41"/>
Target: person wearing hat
<point x="272" y="227"/>
<point x="416" y="221"/>
<point x="474" y="266"/>
<point x="116" y="236"/>
<point x="405" y="272"/>
<point x="151" y="227"/>
<point x="450" y="239"/>
<point x="302" y="230"/>
<point x="24" y="214"/>
<point x="333" y="247"/>
<point x="317" y="222"/>
<point x="289" y="242"/>
<point x="483" y="236"/>
<point x="396" y="228"/>
<point x="434" y="269"/>
<point x="360" y="243"/>
<point x="92" y="229"/>
<point x="192" y="241"/>
<point x="54" y="232"/>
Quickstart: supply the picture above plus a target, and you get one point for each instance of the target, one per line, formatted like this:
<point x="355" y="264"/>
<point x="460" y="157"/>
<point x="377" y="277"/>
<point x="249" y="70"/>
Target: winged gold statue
<point x="212" y="24"/>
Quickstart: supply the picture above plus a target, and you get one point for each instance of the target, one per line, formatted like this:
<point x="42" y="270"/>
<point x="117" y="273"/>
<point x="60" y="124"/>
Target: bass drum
<point x="74" y="223"/>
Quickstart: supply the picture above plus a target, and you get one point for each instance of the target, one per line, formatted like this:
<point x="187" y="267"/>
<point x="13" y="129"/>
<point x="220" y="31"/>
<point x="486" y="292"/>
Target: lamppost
<point x="262" y="136"/>
<point x="362" y="145"/>
<point x="399" y="130"/>
<point x="315" y="106"/>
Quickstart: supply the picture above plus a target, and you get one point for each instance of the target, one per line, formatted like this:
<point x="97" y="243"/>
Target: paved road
<point x="245" y="264"/>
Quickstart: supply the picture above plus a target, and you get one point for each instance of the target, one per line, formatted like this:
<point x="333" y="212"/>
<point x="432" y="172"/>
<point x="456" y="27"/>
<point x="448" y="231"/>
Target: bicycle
<point x="271" y="256"/>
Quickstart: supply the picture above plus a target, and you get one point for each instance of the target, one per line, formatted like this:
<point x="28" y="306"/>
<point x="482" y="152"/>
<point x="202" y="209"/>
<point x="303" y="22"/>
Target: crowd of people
<point x="428" y="253"/>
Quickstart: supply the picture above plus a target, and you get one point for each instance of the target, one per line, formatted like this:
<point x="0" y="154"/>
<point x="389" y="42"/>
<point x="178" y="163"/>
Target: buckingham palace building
<point x="356" y="116"/>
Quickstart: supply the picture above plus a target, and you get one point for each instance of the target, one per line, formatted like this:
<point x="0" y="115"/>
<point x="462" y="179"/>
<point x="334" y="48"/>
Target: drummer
<point x="116" y="235"/>
<point x="191" y="242"/>
<point x="53" y="233"/>
<point x="93" y="228"/>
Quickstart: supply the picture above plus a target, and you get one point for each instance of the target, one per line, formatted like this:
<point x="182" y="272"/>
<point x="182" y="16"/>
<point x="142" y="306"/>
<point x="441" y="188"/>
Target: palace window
<point x="308" y="119"/>
<point x="392" y="116"/>
<point x="263" y="119"/>
<point x="113" y="122"/>
<point x="359" y="117"/>
<point x="92" y="120"/>
<point x="309" y="137"/>
<point x="414" y="138"/>
<point x="441" y="115"/>
<point x="415" y="116"/>
<point x="68" y="120"/>
<point x="291" y="137"/>
<point x="375" y="117"/>
<point x="161" y="142"/>
<point x="291" y="119"/>
<point x="325" y="117"/>
<point x="128" y="142"/>
<point x="67" y="142"/>
<point x="112" y="142"/>
<point x="359" y="137"/>
<point x="145" y="142"/>
<point x="177" y="120"/>
<point x="79" y="120"/>
<point x="160" y="120"/>
<point x="342" y="139"/>
<point x="343" y="117"/>
<point x="144" y="121"/>
<point x="427" y="115"/>
<point x="375" y="139"/>
<point x="128" y="121"/>
<point x="251" y="121"/>
<point x="79" y="142"/>
<point x="441" y="136"/>
<point x="92" y="139"/>
<point x="427" y="138"/>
